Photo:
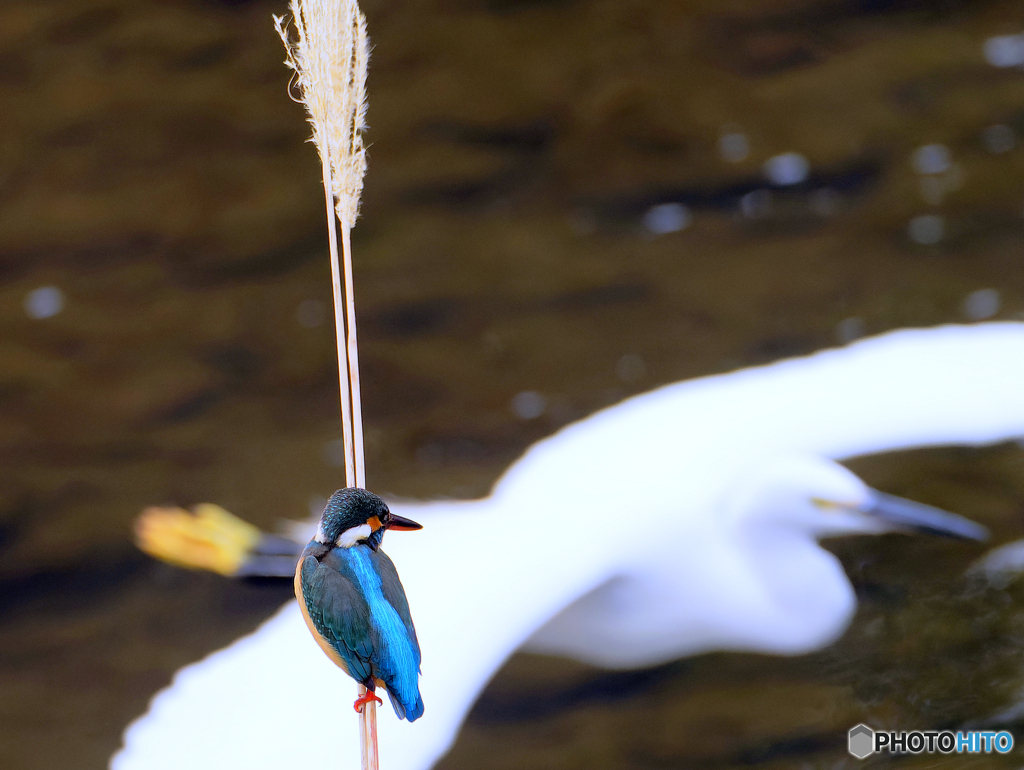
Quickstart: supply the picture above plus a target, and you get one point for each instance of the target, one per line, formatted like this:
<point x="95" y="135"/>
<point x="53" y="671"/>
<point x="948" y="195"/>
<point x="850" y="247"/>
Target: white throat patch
<point x="351" y="536"/>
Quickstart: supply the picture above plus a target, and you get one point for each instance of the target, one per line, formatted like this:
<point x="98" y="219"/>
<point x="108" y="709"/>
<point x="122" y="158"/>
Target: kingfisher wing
<point x="393" y="591"/>
<point x="400" y="667"/>
<point x="340" y="614"/>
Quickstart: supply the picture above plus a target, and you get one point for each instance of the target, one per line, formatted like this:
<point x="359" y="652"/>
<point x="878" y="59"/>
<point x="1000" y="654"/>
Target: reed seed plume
<point x="329" y="58"/>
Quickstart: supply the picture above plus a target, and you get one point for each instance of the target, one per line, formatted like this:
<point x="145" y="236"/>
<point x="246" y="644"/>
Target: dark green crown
<point x="350" y="507"/>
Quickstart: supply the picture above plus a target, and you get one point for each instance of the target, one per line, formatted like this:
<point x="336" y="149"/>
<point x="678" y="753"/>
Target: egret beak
<point x="402" y="524"/>
<point x="917" y="517"/>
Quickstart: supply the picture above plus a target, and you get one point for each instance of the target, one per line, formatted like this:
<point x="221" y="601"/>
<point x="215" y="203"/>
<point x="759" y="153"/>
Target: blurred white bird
<point x="682" y="520"/>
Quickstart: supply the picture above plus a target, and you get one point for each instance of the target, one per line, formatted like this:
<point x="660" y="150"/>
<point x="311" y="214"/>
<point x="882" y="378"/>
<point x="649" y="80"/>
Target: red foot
<point x="363" y="699"/>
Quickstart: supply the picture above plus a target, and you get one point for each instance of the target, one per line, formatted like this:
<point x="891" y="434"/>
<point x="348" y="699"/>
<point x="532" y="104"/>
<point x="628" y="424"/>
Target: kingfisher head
<point x="354" y="516"/>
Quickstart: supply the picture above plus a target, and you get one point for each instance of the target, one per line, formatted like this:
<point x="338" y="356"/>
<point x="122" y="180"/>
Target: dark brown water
<point x="153" y="169"/>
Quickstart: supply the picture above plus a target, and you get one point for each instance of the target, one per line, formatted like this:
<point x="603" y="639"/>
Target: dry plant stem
<point x="368" y="732"/>
<point x="352" y="349"/>
<point x="351" y="422"/>
<point x="339" y="328"/>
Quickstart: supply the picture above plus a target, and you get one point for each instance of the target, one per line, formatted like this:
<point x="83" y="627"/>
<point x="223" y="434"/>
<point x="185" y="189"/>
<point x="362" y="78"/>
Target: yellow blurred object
<point x="208" y="538"/>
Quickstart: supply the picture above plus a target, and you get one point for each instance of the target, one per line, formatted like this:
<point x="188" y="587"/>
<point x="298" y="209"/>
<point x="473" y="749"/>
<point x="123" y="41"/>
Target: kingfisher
<point x="354" y="604"/>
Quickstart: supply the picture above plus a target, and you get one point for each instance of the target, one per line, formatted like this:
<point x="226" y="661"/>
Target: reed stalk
<point x="329" y="59"/>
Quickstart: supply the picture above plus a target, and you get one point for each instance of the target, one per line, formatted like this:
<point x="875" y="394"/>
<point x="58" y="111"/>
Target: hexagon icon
<point x="861" y="741"/>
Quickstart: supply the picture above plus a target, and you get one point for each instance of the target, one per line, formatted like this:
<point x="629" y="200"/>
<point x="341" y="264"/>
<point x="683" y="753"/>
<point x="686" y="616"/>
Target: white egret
<point x="682" y="520"/>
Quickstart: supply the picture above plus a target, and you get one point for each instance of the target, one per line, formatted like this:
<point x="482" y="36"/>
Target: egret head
<point x="821" y="498"/>
<point x="355" y="515"/>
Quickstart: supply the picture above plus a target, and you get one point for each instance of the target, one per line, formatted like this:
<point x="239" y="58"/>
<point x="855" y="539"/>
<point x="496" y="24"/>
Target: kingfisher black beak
<point x="402" y="524"/>
<point x="917" y="517"/>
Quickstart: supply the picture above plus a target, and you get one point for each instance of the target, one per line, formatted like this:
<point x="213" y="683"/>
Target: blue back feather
<point x="395" y="656"/>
